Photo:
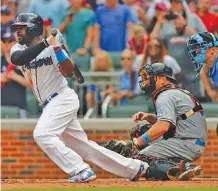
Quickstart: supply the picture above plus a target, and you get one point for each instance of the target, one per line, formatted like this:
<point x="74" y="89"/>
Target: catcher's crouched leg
<point x="158" y="169"/>
<point x="162" y="169"/>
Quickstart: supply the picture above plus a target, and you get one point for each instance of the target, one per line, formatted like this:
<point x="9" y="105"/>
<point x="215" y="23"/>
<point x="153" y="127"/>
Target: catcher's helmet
<point x="31" y="22"/>
<point x="197" y="47"/>
<point x="149" y="71"/>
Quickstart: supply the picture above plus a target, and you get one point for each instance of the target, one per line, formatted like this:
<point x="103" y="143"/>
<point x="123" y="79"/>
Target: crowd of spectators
<point x="142" y="31"/>
<point x="13" y="84"/>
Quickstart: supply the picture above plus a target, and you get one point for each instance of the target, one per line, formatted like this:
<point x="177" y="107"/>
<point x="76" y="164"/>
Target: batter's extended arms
<point x="77" y="74"/>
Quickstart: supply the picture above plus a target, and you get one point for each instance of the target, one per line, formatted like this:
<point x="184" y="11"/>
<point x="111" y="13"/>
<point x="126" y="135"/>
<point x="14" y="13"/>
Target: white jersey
<point x="42" y="73"/>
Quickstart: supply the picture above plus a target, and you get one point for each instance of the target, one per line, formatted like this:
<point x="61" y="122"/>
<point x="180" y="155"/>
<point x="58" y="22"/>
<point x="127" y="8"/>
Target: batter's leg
<point x="74" y="137"/>
<point x="56" y="116"/>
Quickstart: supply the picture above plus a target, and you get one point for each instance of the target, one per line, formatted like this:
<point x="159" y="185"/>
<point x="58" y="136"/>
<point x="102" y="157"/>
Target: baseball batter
<point x="58" y="132"/>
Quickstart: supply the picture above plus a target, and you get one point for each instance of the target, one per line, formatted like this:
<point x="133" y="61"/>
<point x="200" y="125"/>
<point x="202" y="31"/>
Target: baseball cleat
<point x="142" y="170"/>
<point x="85" y="175"/>
<point x="190" y="173"/>
<point x="184" y="172"/>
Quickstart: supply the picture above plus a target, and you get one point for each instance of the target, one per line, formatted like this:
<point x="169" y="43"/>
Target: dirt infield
<point x="47" y="183"/>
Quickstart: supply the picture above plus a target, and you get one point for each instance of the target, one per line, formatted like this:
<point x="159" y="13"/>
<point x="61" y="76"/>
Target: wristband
<point x="60" y="54"/>
<point x="46" y="43"/>
<point x="146" y="139"/>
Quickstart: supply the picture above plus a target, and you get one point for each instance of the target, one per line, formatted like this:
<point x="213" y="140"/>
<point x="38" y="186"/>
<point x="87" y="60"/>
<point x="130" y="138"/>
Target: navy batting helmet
<point x="31" y="22"/>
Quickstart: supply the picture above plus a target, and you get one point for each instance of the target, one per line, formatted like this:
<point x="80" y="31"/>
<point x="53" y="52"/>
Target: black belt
<point x="49" y="99"/>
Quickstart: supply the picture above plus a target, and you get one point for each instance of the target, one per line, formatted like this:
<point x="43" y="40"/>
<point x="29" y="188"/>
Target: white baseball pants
<point x="59" y="134"/>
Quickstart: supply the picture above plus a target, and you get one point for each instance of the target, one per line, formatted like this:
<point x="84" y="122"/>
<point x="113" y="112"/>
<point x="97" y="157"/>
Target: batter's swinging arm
<point x="77" y="74"/>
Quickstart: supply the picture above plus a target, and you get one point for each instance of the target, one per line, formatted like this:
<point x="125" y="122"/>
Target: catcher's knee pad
<point x="158" y="169"/>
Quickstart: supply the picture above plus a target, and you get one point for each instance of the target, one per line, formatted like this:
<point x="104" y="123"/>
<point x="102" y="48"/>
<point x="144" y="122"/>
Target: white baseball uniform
<point x="58" y="132"/>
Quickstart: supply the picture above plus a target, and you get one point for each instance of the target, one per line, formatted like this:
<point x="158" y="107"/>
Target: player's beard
<point x="148" y="90"/>
<point x="25" y="40"/>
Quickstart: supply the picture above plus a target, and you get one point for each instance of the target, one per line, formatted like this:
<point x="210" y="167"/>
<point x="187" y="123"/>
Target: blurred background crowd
<point x="110" y="40"/>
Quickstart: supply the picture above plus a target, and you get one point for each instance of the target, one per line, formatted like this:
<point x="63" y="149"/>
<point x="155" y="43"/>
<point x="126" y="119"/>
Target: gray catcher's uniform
<point x="190" y="137"/>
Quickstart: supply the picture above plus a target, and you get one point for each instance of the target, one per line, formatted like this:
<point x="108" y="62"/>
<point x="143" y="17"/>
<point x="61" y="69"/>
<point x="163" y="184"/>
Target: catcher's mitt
<point x="124" y="148"/>
<point x="139" y="130"/>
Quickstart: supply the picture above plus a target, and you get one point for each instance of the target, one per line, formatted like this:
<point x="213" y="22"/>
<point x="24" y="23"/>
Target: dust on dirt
<point x="49" y="183"/>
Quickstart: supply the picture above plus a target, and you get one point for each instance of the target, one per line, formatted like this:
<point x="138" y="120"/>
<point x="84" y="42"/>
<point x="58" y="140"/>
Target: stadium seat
<point x="83" y="62"/>
<point x="69" y="82"/>
<point x="32" y="104"/>
<point x="10" y="112"/>
<point x="125" y="111"/>
<point x="116" y="57"/>
<point x="139" y="103"/>
<point x="141" y="100"/>
<point x="210" y="109"/>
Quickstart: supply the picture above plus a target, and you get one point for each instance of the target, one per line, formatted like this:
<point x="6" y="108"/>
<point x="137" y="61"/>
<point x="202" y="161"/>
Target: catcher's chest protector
<point x="196" y="108"/>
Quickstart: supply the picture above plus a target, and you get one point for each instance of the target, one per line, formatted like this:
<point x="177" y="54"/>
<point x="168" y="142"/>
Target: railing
<point x="82" y="89"/>
<point x="102" y="74"/>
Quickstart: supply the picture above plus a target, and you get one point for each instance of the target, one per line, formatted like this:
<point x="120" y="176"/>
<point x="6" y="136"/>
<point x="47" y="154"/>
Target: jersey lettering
<point x="42" y="73"/>
<point x="39" y="63"/>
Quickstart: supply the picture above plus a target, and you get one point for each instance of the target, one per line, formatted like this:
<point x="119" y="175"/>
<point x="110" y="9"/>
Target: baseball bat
<point x="77" y="73"/>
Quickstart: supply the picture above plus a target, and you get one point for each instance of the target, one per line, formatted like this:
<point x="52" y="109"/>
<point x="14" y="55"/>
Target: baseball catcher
<point x="176" y="133"/>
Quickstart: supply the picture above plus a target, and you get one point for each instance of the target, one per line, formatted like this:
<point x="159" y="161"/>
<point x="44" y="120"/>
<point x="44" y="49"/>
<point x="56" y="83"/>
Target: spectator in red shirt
<point x="138" y="42"/>
<point x="13" y="84"/>
<point x="208" y="18"/>
<point x="47" y="27"/>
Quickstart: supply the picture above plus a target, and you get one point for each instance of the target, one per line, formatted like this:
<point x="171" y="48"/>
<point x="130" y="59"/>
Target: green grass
<point x="117" y="189"/>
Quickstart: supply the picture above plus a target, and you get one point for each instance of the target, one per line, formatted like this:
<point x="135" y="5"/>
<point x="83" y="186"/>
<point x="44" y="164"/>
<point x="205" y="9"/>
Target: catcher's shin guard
<point x="161" y="169"/>
<point x="158" y="169"/>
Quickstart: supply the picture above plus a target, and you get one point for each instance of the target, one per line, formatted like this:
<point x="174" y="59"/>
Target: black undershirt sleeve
<point x="23" y="57"/>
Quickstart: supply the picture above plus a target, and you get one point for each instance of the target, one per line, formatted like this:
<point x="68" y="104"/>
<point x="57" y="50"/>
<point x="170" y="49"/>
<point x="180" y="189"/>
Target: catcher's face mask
<point x="197" y="49"/>
<point x="197" y="53"/>
<point x="146" y="82"/>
